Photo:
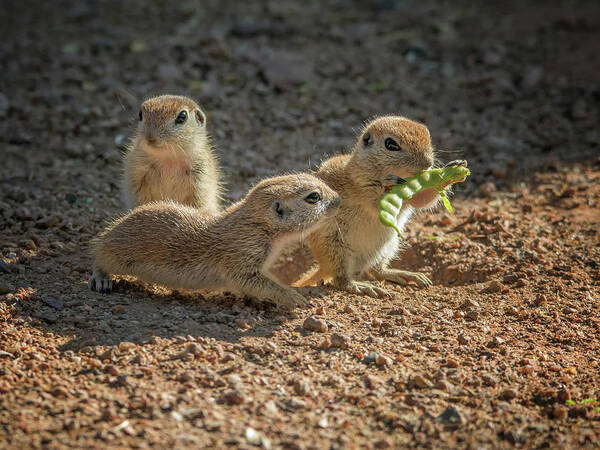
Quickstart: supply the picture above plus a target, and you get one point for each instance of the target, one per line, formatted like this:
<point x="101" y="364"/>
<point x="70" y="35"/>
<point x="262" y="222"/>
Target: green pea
<point x="391" y="203"/>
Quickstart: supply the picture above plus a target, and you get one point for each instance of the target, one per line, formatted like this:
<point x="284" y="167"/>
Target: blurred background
<point x="512" y="86"/>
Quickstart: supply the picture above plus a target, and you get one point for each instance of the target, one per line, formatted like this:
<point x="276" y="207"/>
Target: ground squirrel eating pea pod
<point x="170" y="156"/>
<point x="183" y="247"/>
<point x="356" y="243"/>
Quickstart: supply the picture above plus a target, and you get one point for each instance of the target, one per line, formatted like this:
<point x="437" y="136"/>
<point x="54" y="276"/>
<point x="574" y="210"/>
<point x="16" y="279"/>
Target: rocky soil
<point x="502" y="351"/>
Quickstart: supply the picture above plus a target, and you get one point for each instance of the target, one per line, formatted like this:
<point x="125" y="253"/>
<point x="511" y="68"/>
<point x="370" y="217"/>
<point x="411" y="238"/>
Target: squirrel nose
<point x="426" y="161"/>
<point x="150" y="137"/>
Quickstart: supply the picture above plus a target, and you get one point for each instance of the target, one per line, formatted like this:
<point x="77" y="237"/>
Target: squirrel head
<point x="293" y="203"/>
<point x="171" y="118"/>
<point x="394" y="145"/>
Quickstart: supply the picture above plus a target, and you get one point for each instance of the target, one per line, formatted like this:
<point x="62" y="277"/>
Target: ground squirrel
<point x="170" y="156"/>
<point x="356" y="243"/>
<point x="183" y="247"/>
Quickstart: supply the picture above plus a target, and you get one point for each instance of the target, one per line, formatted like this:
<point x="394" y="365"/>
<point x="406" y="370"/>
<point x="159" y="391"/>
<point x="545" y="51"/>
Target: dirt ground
<point x="502" y="351"/>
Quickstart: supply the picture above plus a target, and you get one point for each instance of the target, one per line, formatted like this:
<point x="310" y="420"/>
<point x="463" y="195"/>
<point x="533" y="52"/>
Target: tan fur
<point x="182" y="247"/>
<point x="169" y="161"/>
<point x="356" y="243"/>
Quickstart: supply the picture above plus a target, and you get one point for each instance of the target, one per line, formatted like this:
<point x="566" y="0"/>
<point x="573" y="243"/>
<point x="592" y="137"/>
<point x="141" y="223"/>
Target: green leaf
<point x="138" y="46"/>
<point x="306" y="88"/>
<point x="446" y="202"/>
<point x="570" y="402"/>
<point x="443" y="238"/>
<point x="377" y="86"/>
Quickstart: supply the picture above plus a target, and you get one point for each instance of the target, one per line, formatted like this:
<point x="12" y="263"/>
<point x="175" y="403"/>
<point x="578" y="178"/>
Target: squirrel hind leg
<point x="100" y="281"/>
<point x="310" y="278"/>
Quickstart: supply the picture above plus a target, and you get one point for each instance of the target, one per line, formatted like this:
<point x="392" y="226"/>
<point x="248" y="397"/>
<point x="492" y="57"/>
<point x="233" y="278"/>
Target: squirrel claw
<point x="369" y="289"/>
<point x="457" y="162"/>
<point x="100" y="282"/>
<point x="393" y="180"/>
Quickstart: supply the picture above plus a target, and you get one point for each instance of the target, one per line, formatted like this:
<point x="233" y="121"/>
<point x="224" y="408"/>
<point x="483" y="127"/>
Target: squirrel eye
<point x="313" y="197"/>
<point x="367" y="138"/>
<point x="140" y="115"/>
<point x="181" y="117"/>
<point x="392" y="145"/>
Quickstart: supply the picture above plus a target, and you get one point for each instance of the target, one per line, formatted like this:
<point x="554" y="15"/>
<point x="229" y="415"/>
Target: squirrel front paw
<point x="290" y="300"/>
<point x="402" y="277"/>
<point x="365" y="288"/>
<point x="100" y="282"/>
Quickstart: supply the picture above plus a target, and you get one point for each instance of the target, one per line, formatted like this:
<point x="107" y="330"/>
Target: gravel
<point x="502" y="350"/>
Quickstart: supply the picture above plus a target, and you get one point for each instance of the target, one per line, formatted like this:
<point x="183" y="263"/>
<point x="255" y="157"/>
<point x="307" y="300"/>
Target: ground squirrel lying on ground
<point x="182" y="247"/>
<point x="170" y="156"/>
<point x="356" y="243"/>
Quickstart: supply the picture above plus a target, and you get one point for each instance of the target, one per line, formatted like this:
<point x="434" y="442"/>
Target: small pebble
<point x="185" y="377"/>
<point x="339" y="340"/>
<point x="370" y="358"/>
<point x="443" y="385"/>
<point x="510" y="278"/>
<point x="472" y="315"/>
<point x="60" y="392"/>
<point x="563" y="395"/>
<point x="253" y="437"/>
<point x="508" y="394"/>
<point x="53" y="302"/>
<point x="488" y="380"/>
<point x="313" y="323"/>
<point x="325" y="343"/>
<point x="233" y="397"/>
<point x="463" y="340"/>
<point x="451" y="416"/>
<point x="70" y="198"/>
<point x="458" y="314"/>
<point x="421" y="382"/>
<point x="5" y="288"/>
<point x="194" y="348"/>
<point x="242" y="324"/>
<point x="372" y="381"/>
<point x="28" y="243"/>
<point x="469" y="304"/>
<point x="522" y="282"/>
<point x="493" y="287"/>
<point x="453" y="363"/>
<point x="487" y="189"/>
<point x="349" y="310"/>
<point x="126" y="346"/>
<point x="112" y="370"/>
<point x="302" y="388"/>
<point x="383" y="360"/>
<point x="559" y="412"/>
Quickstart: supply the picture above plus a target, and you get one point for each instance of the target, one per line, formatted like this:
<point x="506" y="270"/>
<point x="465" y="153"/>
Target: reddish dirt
<point x="502" y="351"/>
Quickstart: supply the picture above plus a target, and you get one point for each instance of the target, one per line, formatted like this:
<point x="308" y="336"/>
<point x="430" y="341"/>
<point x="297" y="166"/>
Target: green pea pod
<point x="390" y="206"/>
<point x="391" y="203"/>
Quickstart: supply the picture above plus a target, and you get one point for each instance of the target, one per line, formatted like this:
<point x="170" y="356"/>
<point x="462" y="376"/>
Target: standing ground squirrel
<point x="182" y="247"/>
<point x="170" y="156"/>
<point x="356" y="242"/>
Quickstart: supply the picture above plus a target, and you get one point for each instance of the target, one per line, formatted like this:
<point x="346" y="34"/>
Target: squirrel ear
<point x="366" y="138"/>
<point x="200" y="117"/>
